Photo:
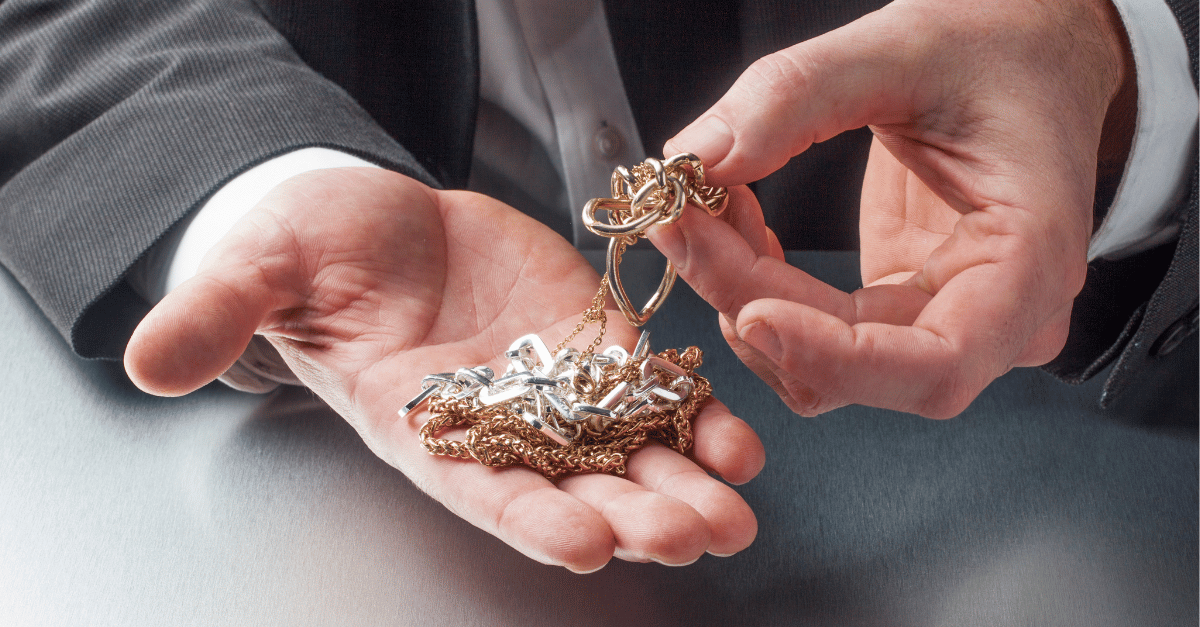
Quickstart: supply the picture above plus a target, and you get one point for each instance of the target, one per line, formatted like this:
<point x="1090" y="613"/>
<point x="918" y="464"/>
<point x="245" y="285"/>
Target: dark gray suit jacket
<point x="118" y="117"/>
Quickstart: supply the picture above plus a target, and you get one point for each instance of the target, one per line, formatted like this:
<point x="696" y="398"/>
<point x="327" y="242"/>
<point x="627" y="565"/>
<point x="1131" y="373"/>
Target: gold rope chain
<point x="568" y="410"/>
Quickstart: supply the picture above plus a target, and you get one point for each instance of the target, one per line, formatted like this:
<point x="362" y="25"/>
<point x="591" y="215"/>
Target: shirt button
<point x="608" y="142"/>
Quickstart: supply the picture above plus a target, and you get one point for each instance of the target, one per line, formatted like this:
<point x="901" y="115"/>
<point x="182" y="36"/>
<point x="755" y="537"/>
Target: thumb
<point x="197" y="332"/>
<point x="810" y="92"/>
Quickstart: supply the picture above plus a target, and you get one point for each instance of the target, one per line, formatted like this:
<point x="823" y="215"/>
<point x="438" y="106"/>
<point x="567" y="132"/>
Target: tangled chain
<point x="498" y="437"/>
<point x="577" y="411"/>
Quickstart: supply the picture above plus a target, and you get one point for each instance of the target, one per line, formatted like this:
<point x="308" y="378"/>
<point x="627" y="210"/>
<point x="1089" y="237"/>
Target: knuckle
<point x="953" y="391"/>
<point x="725" y="298"/>
<point x="803" y="399"/>
<point x="779" y="78"/>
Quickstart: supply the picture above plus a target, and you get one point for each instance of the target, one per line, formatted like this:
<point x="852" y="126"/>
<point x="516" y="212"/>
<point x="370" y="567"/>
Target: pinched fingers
<point x="727" y="270"/>
<point x="819" y="347"/>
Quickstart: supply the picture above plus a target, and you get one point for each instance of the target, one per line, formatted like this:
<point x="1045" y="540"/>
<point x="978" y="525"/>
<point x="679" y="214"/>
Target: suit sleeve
<point x="1136" y="310"/>
<point x="118" y="117"/>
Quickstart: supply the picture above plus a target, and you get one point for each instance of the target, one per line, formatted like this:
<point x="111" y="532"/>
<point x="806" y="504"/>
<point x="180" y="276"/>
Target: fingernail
<point x="675" y="564"/>
<point x="763" y="338"/>
<point x="670" y="241"/>
<point x="708" y="138"/>
<point x="586" y="572"/>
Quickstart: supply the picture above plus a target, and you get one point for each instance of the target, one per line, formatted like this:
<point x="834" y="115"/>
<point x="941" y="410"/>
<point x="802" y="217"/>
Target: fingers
<point x="196" y="333"/>
<point x="647" y="525"/>
<point x="666" y="509"/>
<point x="674" y="511"/>
<point x="744" y="214"/>
<point x="758" y="363"/>
<point x="726" y="445"/>
<point x="870" y="364"/>
<point x="642" y="517"/>
<point x="888" y="345"/>
<point x="517" y="505"/>
<point x="808" y="93"/>
<point x="727" y="272"/>
<point x="890" y="304"/>
<point x="731" y="522"/>
<point x="978" y="326"/>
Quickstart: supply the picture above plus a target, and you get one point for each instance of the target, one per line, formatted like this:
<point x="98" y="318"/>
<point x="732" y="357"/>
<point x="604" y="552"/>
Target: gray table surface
<point x="1032" y="508"/>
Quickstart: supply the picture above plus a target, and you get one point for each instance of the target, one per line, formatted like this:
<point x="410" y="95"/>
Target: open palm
<point x="366" y="281"/>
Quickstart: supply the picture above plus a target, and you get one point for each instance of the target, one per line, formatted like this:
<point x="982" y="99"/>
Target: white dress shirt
<point x="549" y="80"/>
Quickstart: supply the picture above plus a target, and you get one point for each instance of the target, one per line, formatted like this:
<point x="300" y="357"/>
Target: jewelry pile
<point x="569" y="410"/>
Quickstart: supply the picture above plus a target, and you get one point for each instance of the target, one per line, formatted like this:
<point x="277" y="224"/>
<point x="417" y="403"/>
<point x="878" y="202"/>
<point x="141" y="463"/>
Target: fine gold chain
<point x="595" y="313"/>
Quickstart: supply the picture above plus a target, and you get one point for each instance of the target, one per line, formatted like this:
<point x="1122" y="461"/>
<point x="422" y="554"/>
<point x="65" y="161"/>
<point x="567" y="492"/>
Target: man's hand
<point x="976" y="205"/>
<point x="366" y="281"/>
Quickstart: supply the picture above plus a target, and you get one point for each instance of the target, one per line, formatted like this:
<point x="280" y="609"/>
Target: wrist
<point x="1118" y="55"/>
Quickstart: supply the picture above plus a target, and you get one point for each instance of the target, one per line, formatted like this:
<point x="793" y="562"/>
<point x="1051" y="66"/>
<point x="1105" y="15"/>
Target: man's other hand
<point x="976" y="205"/>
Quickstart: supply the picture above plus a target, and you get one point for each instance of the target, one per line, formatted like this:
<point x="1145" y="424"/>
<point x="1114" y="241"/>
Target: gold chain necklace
<point x="572" y="411"/>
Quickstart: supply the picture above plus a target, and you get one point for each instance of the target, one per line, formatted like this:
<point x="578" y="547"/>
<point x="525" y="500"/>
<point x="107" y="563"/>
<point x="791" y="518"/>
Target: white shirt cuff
<point x="1143" y="213"/>
<point x="176" y="258"/>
